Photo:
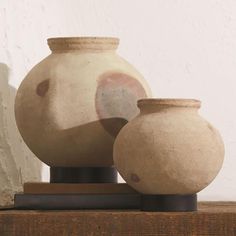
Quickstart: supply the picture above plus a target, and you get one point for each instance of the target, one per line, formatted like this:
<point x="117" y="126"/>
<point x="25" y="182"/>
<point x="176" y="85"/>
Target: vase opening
<point x="160" y="103"/>
<point x="83" y="43"/>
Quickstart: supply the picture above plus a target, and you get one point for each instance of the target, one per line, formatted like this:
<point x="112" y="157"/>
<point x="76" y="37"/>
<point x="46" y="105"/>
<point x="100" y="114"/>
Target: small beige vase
<point x="168" y="148"/>
<point x="71" y="105"/>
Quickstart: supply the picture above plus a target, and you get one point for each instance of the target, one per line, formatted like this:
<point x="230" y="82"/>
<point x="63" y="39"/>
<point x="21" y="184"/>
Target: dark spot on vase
<point x="134" y="178"/>
<point x="116" y="97"/>
<point x="42" y="88"/>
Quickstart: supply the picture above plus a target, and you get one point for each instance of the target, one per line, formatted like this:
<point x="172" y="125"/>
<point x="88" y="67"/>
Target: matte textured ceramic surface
<point x="71" y="105"/>
<point x="168" y="148"/>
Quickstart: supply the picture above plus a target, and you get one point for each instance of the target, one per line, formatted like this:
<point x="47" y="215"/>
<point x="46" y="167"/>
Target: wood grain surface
<point x="213" y="218"/>
<point x="60" y="188"/>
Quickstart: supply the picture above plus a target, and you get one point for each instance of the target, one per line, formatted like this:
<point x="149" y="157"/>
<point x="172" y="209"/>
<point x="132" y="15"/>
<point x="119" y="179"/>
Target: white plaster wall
<point x="184" y="48"/>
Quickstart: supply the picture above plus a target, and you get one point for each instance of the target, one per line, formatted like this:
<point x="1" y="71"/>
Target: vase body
<point x="71" y="105"/>
<point x="168" y="148"/>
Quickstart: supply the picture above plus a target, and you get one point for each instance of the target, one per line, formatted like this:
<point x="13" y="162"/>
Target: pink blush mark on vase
<point x="117" y="95"/>
<point x="116" y="100"/>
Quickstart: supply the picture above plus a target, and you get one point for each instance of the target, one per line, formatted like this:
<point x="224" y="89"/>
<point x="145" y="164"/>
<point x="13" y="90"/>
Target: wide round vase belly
<point x="71" y="106"/>
<point x="168" y="148"/>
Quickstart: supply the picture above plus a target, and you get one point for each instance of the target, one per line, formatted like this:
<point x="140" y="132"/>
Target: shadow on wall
<point x="17" y="163"/>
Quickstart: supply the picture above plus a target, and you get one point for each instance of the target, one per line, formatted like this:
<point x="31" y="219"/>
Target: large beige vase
<point x="168" y="148"/>
<point x="71" y="105"/>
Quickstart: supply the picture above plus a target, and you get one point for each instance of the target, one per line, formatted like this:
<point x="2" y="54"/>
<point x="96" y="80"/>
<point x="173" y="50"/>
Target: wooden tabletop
<point x="212" y="218"/>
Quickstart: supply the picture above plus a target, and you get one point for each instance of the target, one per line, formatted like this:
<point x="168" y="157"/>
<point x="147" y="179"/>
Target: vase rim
<point x="83" y="43"/>
<point x="170" y="102"/>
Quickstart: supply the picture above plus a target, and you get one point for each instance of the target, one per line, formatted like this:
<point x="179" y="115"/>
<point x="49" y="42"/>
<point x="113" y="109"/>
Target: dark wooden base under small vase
<point x="169" y="203"/>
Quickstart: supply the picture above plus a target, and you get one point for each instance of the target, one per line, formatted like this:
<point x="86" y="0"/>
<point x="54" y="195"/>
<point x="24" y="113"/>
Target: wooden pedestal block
<point x="212" y="218"/>
<point x="76" y="196"/>
<point x="86" y="188"/>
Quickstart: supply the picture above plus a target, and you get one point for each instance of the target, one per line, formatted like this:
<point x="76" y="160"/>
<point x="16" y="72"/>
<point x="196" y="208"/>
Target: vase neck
<point x="94" y="44"/>
<point x="159" y="105"/>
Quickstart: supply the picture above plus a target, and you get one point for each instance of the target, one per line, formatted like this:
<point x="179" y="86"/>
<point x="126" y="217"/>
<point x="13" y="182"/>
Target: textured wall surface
<point x="16" y="164"/>
<point x="183" y="48"/>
